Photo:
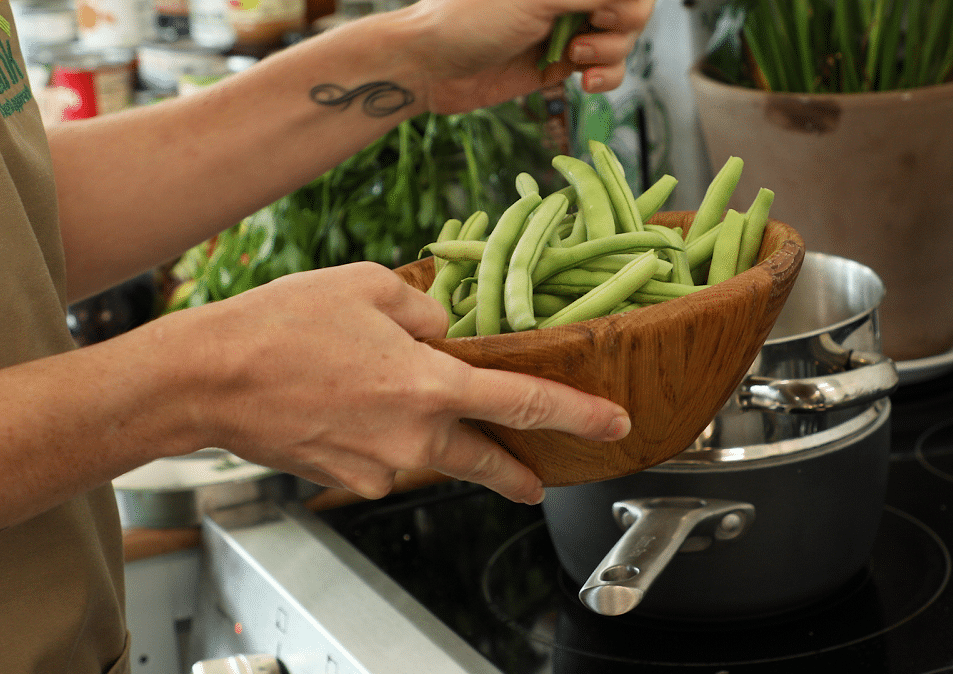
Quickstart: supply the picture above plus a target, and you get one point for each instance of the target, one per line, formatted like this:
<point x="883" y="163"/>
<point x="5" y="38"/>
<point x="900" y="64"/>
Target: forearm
<point x="78" y="419"/>
<point x="138" y="188"/>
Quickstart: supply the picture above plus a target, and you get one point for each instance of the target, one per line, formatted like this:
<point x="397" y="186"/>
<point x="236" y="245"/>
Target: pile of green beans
<point x="588" y="250"/>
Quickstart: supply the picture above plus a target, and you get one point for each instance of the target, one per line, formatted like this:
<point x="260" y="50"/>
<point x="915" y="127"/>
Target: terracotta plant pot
<point x="865" y="176"/>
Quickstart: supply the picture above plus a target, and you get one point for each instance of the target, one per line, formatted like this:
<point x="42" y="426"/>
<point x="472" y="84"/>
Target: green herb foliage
<point x="382" y="204"/>
<point x="834" y="46"/>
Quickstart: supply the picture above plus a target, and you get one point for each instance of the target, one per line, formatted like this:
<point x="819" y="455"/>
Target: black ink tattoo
<point x="380" y="98"/>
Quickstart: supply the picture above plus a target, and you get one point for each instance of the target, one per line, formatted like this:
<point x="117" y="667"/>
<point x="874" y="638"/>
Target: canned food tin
<point x="115" y="23"/>
<point x="161" y="65"/>
<point x="263" y="23"/>
<point x="89" y="83"/>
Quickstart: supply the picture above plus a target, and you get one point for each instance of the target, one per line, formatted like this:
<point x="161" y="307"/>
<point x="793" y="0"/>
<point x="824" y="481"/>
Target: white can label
<point x="115" y="23"/>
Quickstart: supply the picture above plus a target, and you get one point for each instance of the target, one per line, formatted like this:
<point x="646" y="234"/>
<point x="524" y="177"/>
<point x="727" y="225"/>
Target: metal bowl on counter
<point x="178" y="491"/>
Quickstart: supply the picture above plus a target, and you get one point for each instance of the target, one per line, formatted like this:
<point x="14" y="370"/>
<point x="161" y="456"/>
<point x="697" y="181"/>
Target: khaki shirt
<point x="61" y="582"/>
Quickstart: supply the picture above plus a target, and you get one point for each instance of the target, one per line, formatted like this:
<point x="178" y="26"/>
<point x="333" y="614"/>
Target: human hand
<point x="482" y="53"/>
<point x="322" y="374"/>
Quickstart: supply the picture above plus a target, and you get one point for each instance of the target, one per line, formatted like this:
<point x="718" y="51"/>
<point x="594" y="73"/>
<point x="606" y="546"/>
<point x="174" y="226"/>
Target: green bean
<point x="700" y="250"/>
<point x="451" y="274"/>
<point x="591" y="194"/>
<point x="653" y="292"/>
<point x="562" y="231"/>
<point x="579" y="281"/>
<point x="712" y="208"/>
<point x="578" y="233"/>
<point x="724" y="258"/>
<point x="499" y="246"/>
<point x="570" y="193"/>
<point x="545" y="305"/>
<point x="463" y="306"/>
<point x="604" y="297"/>
<point x="517" y="287"/>
<point x="564" y="28"/>
<point x="526" y="184"/>
<point x="554" y="260"/>
<point x="625" y="305"/>
<point x="465" y="327"/>
<point x="651" y="200"/>
<point x="450" y="230"/>
<point x="613" y="263"/>
<point x="756" y="219"/>
<point x="475" y="226"/>
<point x="458" y="250"/>
<point x="610" y="170"/>
<point x="681" y="271"/>
<point x="464" y="289"/>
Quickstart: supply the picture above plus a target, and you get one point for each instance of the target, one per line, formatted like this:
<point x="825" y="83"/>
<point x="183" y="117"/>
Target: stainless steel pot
<point x="821" y="364"/>
<point x="179" y="491"/>
<point x="778" y="503"/>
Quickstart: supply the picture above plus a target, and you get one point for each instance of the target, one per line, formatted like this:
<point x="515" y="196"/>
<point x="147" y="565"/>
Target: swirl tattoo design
<point x="380" y="98"/>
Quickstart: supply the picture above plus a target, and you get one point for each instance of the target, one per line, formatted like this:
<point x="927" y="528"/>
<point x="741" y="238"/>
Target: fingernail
<point x="619" y="427"/>
<point x="537" y="496"/>
<point x="583" y="53"/>
<point x="593" y="82"/>
<point x="604" y="18"/>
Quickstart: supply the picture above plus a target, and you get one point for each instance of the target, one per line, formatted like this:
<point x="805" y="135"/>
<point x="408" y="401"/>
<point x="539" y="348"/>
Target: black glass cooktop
<point x="487" y="568"/>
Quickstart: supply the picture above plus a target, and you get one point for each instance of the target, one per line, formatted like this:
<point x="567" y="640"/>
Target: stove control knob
<point x="240" y="664"/>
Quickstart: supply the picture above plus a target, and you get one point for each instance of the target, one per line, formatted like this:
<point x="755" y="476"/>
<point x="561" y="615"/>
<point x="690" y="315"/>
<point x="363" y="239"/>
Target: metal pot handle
<point x="867" y="377"/>
<point x="655" y="529"/>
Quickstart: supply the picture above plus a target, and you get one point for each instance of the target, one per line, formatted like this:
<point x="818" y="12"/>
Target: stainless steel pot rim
<point x="202" y="469"/>
<point x="782" y="451"/>
<point x="858" y="270"/>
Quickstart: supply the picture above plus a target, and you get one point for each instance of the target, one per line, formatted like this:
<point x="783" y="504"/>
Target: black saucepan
<point x="778" y="503"/>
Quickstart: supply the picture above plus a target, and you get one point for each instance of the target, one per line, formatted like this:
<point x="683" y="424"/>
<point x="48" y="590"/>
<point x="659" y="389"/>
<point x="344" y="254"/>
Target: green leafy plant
<point x="834" y="46"/>
<point x="383" y="204"/>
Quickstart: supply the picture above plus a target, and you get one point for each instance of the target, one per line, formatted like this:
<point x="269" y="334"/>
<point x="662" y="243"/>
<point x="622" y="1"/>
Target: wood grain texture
<point x="141" y="543"/>
<point x="672" y="365"/>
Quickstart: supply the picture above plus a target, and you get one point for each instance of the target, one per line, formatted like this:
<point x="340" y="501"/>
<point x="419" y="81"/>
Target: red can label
<point x="82" y="93"/>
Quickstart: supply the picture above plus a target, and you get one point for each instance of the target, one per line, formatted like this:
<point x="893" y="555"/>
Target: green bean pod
<point x="554" y="260"/>
<point x="681" y="270"/>
<point x="449" y="277"/>
<point x="654" y="291"/>
<point x="475" y="226"/>
<point x="499" y="247"/>
<point x="578" y="233"/>
<point x="651" y="200"/>
<point x="545" y="305"/>
<point x="458" y="250"/>
<point x="465" y="327"/>
<point x="591" y="195"/>
<point x="724" y="258"/>
<point x="517" y="287"/>
<point x="610" y="169"/>
<point x="713" y="205"/>
<point x="756" y="219"/>
<point x="450" y="231"/>
<point x="526" y="184"/>
<point x="606" y="296"/>
<point x="564" y="28"/>
<point x="613" y="263"/>
<point x="701" y="249"/>
<point x="464" y="305"/>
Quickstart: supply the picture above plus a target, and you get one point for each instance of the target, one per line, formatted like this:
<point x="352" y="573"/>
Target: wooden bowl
<point x="671" y="365"/>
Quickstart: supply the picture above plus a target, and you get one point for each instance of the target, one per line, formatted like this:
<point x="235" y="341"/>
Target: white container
<point x="105" y="24"/>
<point x="43" y="24"/>
<point x="209" y="26"/>
<point x="162" y="65"/>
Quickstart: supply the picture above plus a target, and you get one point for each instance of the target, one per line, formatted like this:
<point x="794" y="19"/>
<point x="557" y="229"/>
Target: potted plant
<point x="845" y="109"/>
